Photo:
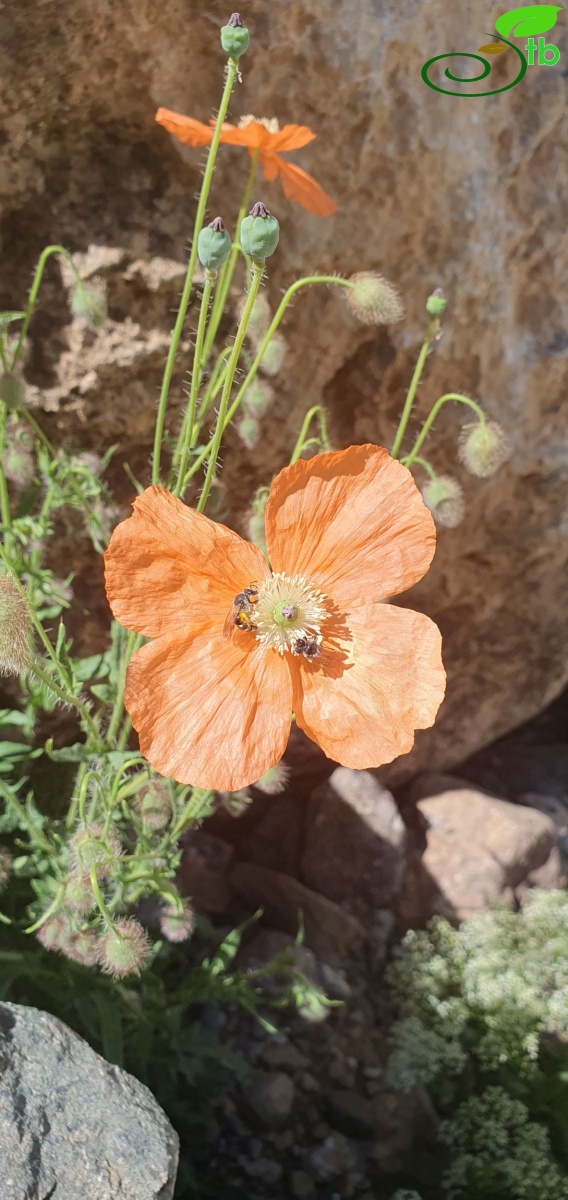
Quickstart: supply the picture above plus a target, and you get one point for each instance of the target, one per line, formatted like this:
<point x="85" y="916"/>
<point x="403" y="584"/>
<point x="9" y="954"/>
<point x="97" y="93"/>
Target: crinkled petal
<point x="300" y="186"/>
<point x="270" y="164"/>
<point x="185" y="129"/>
<point x="167" y="563"/>
<point x="291" y="137"/>
<point x="353" y="521"/>
<point x="210" y="711"/>
<point x="379" y="679"/>
<point x="254" y="135"/>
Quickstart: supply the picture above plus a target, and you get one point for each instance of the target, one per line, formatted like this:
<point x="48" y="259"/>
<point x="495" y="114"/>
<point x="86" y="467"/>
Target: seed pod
<point x="213" y="245"/>
<point x="259" y="233"/>
<point x="436" y="304"/>
<point x="443" y="495"/>
<point x="482" y="448"/>
<point x="373" y="300"/>
<point x="15" y="628"/>
<point x="235" y="37"/>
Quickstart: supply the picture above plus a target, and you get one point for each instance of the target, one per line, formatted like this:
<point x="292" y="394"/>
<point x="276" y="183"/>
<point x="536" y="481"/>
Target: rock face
<point x="73" y="1126"/>
<point x="431" y="191"/>
<point x="478" y="850"/>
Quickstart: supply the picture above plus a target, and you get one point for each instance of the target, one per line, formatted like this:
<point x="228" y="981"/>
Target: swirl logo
<point x="533" y="19"/>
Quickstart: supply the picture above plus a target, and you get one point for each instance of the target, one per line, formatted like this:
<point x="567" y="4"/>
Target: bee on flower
<point x="239" y="645"/>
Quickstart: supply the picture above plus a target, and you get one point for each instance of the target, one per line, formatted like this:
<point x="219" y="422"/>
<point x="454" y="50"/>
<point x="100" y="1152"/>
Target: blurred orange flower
<point x="212" y="703"/>
<point x="265" y="138"/>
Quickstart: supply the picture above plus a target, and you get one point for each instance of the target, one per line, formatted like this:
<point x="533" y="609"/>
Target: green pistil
<point x="285" y="613"/>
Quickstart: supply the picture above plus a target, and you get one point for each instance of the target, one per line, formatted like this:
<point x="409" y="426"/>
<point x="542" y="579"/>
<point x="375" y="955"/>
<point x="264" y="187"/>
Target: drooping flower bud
<point x="5" y="867"/>
<point x="56" y="932"/>
<point x="78" y="895"/>
<point x="213" y="245"/>
<point x="483" y="448"/>
<point x="18" y="462"/>
<point x="258" y="398"/>
<point x="274" y="355"/>
<point x="83" y="947"/>
<point x="259" y="319"/>
<point x="275" y="780"/>
<point x="125" y="951"/>
<point x="177" y="926"/>
<point x="153" y="804"/>
<point x="373" y="300"/>
<point x="443" y="495"/>
<point x="15" y="628"/>
<point x="89" y="306"/>
<point x="436" y="304"/>
<point x="248" y="429"/>
<point x="235" y="37"/>
<point x="89" y="849"/>
<point x="11" y="390"/>
<point x="235" y="803"/>
<point x="259" y="233"/>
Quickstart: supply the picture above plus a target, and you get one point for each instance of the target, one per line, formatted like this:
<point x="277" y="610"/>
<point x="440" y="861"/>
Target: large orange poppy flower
<point x="212" y="704"/>
<point x="266" y="138"/>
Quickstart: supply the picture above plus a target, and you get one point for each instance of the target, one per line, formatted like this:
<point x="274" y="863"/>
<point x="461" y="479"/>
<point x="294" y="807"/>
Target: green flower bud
<point x="125" y="951"/>
<point x="443" y="495"/>
<point x="213" y="245"/>
<point x="483" y="448"/>
<point x="373" y="300"/>
<point x="259" y="233"/>
<point x="235" y="803"/>
<point x="15" y="628"/>
<point x="248" y="429"/>
<point x="235" y="37"/>
<point x="259" y="319"/>
<point x="177" y="926"/>
<point x="11" y="391"/>
<point x="259" y="397"/>
<point x="275" y="780"/>
<point x="436" y="303"/>
<point x="272" y="360"/>
<point x="89" y="306"/>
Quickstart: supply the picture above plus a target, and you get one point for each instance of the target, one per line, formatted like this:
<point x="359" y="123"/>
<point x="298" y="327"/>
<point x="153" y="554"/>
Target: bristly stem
<point x="303" y="441"/>
<point x="189" y="418"/>
<point x="411" y="394"/>
<point x="228" y="269"/>
<point x="457" y="396"/>
<point x="232" y="71"/>
<point x="69" y="698"/>
<point x="34" y="290"/>
<point x="419" y="462"/>
<point x="256" y="277"/>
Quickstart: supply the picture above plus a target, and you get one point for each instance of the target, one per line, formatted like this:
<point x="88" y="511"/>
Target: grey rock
<point x="73" y="1126"/>
<point x="269" y="1097"/>
<point x="355" y="841"/>
<point x="333" y="1158"/>
<point x="283" y="1056"/>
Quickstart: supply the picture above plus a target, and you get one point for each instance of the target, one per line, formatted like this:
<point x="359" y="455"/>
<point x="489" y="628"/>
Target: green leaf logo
<point x="525" y="22"/>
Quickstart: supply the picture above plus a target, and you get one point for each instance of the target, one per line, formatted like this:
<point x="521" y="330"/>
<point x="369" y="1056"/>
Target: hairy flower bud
<point x="125" y="951"/>
<point x="5" y="866"/>
<point x="83" y="947"/>
<point x="89" y="849"/>
<point x="18" y="462"/>
<point x="274" y="355"/>
<point x="78" y="894"/>
<point x="256" y="530"/>
<point x="15" y="628"/>
<point x="89" y="306"/>
<point x="444" y="497"/>
<point x="275" y="780"/>
<point x="55" y="933"/>
<point x="258" y="398"/>
<point x="235" y="803"/>
<point x="436" y="304"/>
<point x="259" y="233"/>
<point x="213" y="245"/>
<point x="248" y="429"/>
<point x="259" y="319"/>
<point x="177" y="926"/>
<point x="482" y="448"/>
<point x="235" y="37"/>
<point x="373" y="300"/>
<point x="153" y="804"/>
<point x="11" y="390"/>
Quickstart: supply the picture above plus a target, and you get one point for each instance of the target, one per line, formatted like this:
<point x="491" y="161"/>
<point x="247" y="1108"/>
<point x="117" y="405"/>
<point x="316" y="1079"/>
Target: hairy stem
<point x="411" y="458"/>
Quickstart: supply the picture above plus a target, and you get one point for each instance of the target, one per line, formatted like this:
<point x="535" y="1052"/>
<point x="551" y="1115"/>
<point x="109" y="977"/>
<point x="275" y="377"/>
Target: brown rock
<point x="203" y="872"/>
<point x="421" y="197"/>
<point x="355" y="841"/>
<point x="329" y="932"/>
<point x="477" y="848"/>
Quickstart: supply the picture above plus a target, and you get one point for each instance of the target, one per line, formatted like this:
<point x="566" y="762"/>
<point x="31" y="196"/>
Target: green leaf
<point x="6" y="318"/>
<point x="528" y="21"/>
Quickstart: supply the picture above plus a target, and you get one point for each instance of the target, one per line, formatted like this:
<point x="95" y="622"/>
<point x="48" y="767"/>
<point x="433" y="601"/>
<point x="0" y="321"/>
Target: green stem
<point x="301" y="442"/>
<point x="133" y="642"/>
<point x="34" y="290"/>
<point x="229" y="267"/>
<point x="232" y="71"/>
<point x="54" y="906"/>
<point x="99" y="899"/>
<point x="74" y="805"/>
<point x="411" y="394"/>
<point x="69" y="698"/>
<point x="195" y="382"/>
<point x="5" y="513"/>
<point x="35" y="834"/>
<point x="286" y="299"/>
<point x="257" y="273"/>
<point x="195" y="810"/>
<point x="420" y="462"/>
<point x="457" y="396"/>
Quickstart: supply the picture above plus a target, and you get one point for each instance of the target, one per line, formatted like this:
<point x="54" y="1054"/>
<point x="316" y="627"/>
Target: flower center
<point x="289" y="614"/>
<point x="272" y="124"/>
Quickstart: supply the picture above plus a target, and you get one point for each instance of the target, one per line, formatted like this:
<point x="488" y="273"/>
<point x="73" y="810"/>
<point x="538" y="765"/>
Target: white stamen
<point x="289" y="609"/>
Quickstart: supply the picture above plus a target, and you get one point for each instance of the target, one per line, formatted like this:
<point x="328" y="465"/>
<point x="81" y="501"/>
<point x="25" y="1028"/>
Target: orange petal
<point x="209" y="711"/>
<point x="253" y="135"/>
<point x="270" y="164"/>
<point x="300" y="186"/>
<point x="381" y="679"/>
<point x="291" y="137"/>
<point x="167" y="566"/>
<point x="353" y="521"/>
<point x="185" y="129"/>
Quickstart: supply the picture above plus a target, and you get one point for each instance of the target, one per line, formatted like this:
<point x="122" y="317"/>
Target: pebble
<point x="270" y="1097"/>
<point x="333" y="1158"/>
